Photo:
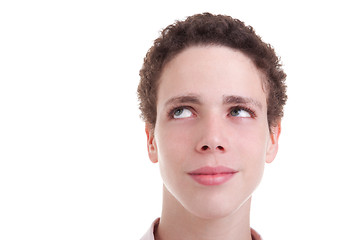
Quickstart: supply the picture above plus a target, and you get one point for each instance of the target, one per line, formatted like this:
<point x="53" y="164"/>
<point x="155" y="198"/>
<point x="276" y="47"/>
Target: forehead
<point x="210" y="72"/>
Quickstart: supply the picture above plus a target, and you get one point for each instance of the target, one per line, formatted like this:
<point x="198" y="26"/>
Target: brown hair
<point x="209" y="29"/>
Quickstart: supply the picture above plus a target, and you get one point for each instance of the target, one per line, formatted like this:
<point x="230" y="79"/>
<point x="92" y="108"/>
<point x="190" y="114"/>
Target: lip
<point x="210" y="176"/>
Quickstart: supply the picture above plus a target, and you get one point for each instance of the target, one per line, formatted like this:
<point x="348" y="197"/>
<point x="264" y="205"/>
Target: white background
<point x="73" y="160"/>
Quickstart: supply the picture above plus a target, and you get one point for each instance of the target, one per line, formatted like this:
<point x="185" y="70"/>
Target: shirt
<point x="149" y="235"/>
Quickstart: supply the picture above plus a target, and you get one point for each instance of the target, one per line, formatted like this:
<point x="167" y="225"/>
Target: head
<point x="207" y="29"/>
<point x="212" y="95"/>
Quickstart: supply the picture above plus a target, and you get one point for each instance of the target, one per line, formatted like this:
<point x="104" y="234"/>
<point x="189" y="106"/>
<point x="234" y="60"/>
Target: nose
<point x="212" y="137"/>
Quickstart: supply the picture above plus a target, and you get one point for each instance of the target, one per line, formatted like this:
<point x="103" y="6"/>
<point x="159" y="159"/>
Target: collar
<point x="149" y="235"/>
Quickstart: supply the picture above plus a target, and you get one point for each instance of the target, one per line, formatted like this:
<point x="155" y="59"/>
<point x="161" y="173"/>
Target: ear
<point x="151" y="143"/>
<point x="273" y="144"/>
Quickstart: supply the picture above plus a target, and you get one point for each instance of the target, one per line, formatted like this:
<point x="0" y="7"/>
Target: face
<point x="211" y="137"/>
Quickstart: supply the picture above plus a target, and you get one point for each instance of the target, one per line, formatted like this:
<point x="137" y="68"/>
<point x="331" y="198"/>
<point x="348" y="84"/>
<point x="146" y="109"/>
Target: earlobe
<point x="151" y="143"/>
<point x="273" y="144"/>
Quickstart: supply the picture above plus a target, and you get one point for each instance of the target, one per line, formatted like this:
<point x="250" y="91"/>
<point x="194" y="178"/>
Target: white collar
<point x="149" y="235"/>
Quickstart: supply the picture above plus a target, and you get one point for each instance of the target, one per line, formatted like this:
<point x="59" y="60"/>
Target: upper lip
<point x="213" y="170"/>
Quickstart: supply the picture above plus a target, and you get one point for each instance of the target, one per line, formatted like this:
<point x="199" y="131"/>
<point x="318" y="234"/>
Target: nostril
<point x="220" y="148"/>
<point x="204" y="147"/>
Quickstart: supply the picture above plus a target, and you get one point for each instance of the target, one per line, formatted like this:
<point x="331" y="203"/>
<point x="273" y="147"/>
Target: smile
<point x="211" y="176"/>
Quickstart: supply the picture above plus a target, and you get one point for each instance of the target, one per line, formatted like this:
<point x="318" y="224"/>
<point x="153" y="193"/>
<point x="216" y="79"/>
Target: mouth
<point x="210" y="176"/>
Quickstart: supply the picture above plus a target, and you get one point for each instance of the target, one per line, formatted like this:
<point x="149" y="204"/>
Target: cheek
<point x="251" y="145"/>
<point x="250" y="149"/>
<point x="173" y="142"/>
<point x="174" y="146"/>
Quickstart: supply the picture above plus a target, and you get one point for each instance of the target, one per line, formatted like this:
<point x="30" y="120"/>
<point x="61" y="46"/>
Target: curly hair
<point x="208" y="29"/>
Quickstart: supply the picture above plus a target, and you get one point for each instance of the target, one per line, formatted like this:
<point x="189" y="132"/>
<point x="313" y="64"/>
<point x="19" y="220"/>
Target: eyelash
<point x="174" y="109"/>
<point x="251" y="112"/>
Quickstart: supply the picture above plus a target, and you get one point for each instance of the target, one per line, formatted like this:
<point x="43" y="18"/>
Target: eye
<point x="241" y="112"/>
<point x="182" y="113"/>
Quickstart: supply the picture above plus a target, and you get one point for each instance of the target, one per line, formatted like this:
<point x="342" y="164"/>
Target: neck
<point x="178" y="223"/>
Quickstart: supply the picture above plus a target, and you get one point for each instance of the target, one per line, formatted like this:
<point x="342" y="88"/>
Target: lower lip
<point x="211" y="180"/>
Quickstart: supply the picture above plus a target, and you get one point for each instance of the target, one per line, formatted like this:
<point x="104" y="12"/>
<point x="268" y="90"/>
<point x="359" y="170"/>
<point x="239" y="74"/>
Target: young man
<point x="212" y="96"/>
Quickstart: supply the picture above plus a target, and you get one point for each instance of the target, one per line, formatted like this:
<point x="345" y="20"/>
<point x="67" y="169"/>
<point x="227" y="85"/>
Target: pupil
<point x="178" y="112"/>
<point x="235" y="112"/>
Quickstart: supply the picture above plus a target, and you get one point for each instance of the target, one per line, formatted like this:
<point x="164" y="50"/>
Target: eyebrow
<point x="190" y="98"/>
<point x="227" y="99"/>
<point x="233" y="99"/>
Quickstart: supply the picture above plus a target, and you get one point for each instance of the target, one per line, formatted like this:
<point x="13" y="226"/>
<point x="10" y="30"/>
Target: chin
<point x="209" y="203"/>
<point x="211" y="208"/>
<point x="212" y="213"/>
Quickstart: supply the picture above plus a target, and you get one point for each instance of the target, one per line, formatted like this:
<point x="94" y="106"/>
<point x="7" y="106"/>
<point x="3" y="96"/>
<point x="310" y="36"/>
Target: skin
<point x="199" y="124"/>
